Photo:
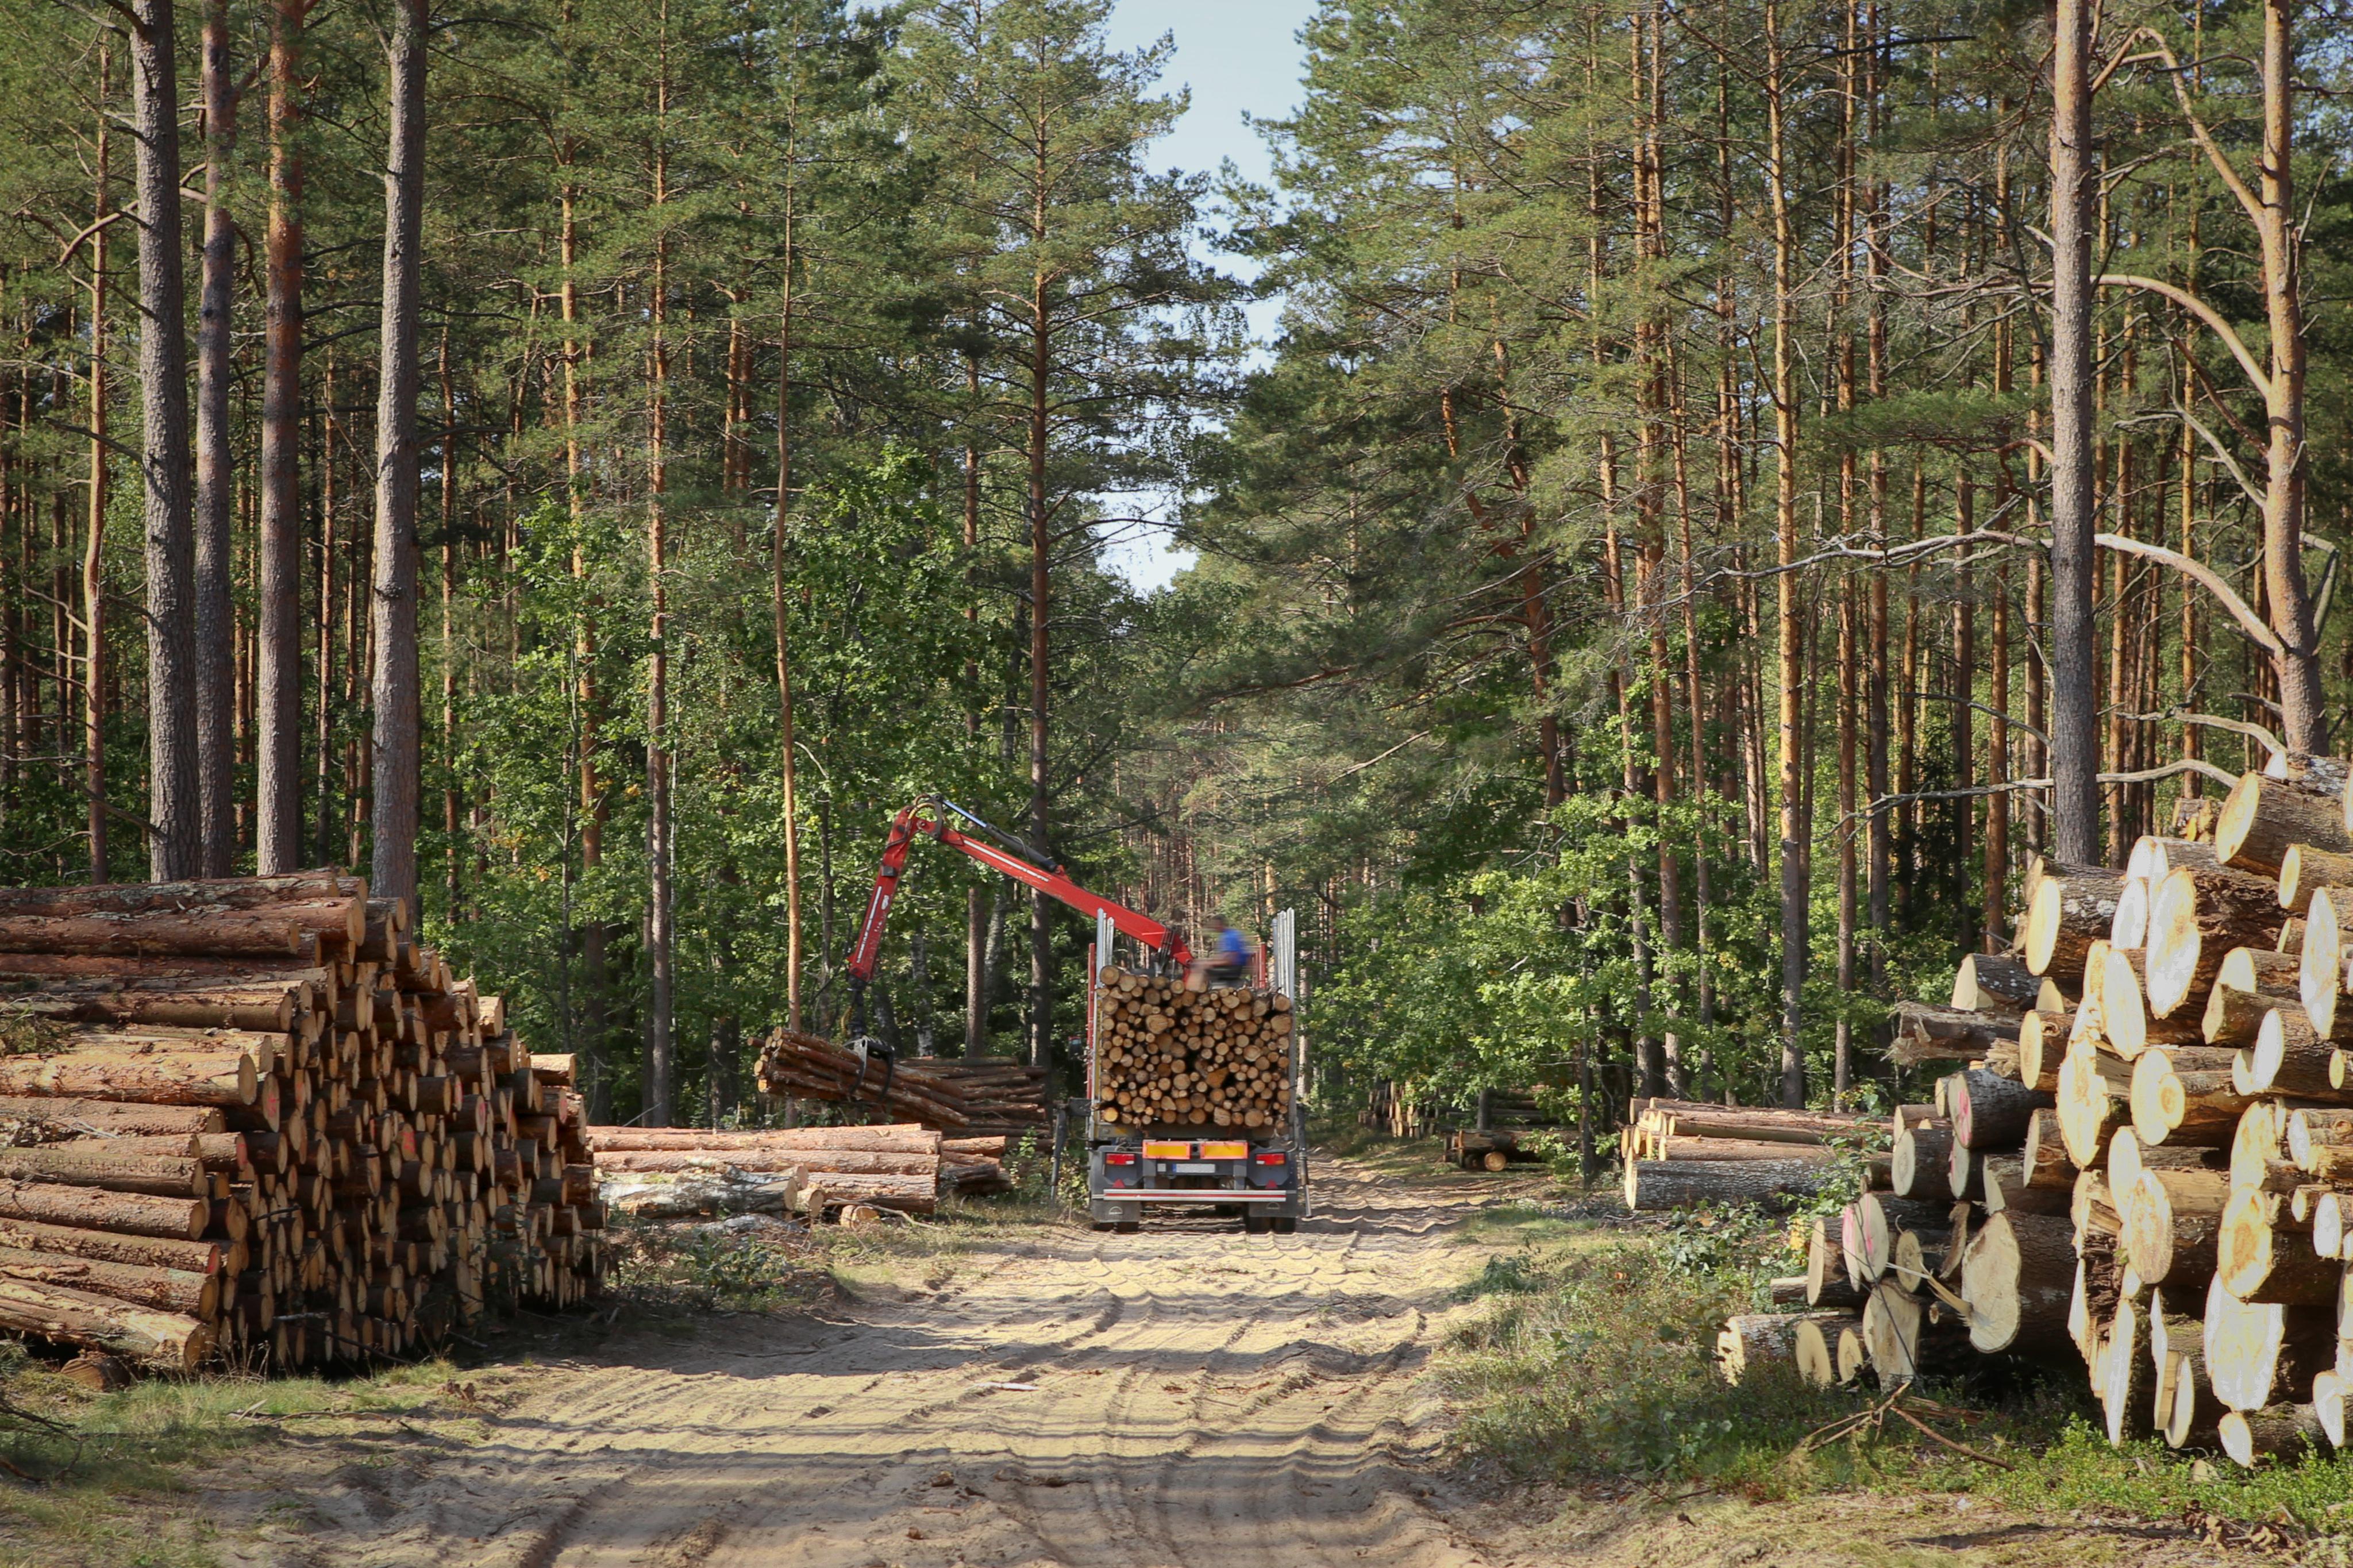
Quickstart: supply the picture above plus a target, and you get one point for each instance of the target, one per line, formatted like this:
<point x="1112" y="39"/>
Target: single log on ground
<point x="2041" y="1043"/>
<point x="1988" y="982"/>
<point x="2259" y="1264"/>
<point x="2189" y="1096"/>
<point x="2018" y="1277"/>
<point x="2279" y="1432"/>
<point x="1919" y="1163"/>
<point x="1815" y="1342"/>
<point x="2320" y="961"/>
<point x="1828" y="1283"/>
<point x="2262" y="1354"/>
<point x="2262" y="818"/>
<point x="1655" y="1184"/>
<point x="1753" y="1340"/>
<point x="1991" y="1112"/>
<point x="101" y="1322"/>
<point x="2199" y="915"/>
<point x="2066" y="911"/>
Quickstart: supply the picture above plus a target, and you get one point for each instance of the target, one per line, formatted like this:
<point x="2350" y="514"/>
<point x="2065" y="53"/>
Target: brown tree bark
<point x="1796" y="830"/>
<point x="661" y="1068"/>
<point x="2074" y="713"/>
<point x="393" y="748"/>
<point x="93" y="557"/>
<point x="215" y="566"/>
<point x="277" y="765"/>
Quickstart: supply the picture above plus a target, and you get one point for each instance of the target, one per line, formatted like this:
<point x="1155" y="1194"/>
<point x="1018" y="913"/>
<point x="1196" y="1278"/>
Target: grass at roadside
<point x="1592" y="1361"/>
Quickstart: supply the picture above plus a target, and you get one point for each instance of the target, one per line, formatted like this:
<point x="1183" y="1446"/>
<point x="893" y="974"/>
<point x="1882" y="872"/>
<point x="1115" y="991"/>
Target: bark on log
<point x="1654" y="1184"/>
<point x="2262" y="819"/>
<point x="905" y="1139"/>
<point x="2258" y="1264"/>
<point x="1751" y="1341"/>
<point x="109" y="1247"/>
<point x="2279" y="1432"/>
<point x="2199" y="915"/>
<point x="286" y="934"/>
<point x="1878" y="1220"/>
<point x="2234" y="1017"/>
<point x="126" y="1213"/>
<point x="1919" y="1163"/>
<point x="812" y="1163"/>
<point x="2187" y="1096"/>
<point x="1901" y="1344"/>
<point x="1689" y="1149"/>
<point x="2152" y="854"/>
<point x="167" y="1290"/>
<point x="162" y="1178"/>
<point x="2129" y="926"/>
<point x="2306" y="869"/>
<point x="2320" y="1140"/>
<point x="1830" y="1282"/>
<point x="2124" y="1010"/>
<point x="2018" y="1277"/>
<point x="2126" y="1380"/>
<point x="1816" y="1346"/>
<point x="2287" y="1056"/>
<point x="100" y="1322"/>
<point x="1991" y="1112"/>
<point x="1990" y="983"/>
<point x="2065" y="913"/>
<point x="2092" y="1099"/>
<point x="215" y="1078"/>
<point x="1928" y="1034"/>
<point x="2007" y="1191"/>
<point x="2041" y="1045"/>
<point x="112" y="1116"/>
<point x="2170" y="1221"/>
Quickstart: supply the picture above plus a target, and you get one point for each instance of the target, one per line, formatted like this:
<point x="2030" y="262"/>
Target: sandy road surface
<point x="1199" y="1397"/>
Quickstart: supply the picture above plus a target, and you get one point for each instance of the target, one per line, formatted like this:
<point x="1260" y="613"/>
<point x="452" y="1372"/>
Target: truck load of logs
<point x="2155" y="1183"/>
<point x="675" y="1172"/>
<point x="1169" y="1057"/>
<point x="1682" y="1152"/>
<point x="806" y="1067"/>
<point x="249" y="1118"/>
<point x="1001" y="1097"/>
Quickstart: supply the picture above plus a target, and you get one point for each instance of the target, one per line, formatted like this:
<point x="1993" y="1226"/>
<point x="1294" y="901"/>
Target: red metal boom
<point x="928" y="818"/>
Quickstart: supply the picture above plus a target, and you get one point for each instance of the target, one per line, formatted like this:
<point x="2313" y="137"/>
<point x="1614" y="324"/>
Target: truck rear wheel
<point x="1255" y="1224"/>
<point x="1128" y="1226"/>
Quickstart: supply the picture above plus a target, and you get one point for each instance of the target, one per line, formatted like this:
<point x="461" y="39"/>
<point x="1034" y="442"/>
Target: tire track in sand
<point x="1202" y="1398"/>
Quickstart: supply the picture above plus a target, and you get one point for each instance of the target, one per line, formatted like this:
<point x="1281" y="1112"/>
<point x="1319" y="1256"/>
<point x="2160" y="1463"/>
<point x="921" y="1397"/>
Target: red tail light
<point x="1274" y="1157"/>
<point x="1119" y="1159"/>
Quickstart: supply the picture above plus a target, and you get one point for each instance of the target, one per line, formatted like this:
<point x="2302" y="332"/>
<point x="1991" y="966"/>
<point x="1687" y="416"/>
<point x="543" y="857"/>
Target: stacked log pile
<point x="1001" y="1097"/>
<point x="1169" y="1057"/>
<point x="1678" y="1153"/>
<point x="250" y="1119"/>
<point x="2157" y="1180"/>
<point x="673" y="1173"/>
<point x="808" y="1068"/>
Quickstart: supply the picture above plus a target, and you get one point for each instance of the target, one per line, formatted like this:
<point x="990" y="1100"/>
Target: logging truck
<point x="1212" y="1125"/>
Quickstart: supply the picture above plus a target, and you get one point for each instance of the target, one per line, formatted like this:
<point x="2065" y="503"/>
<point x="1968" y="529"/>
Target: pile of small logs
<point x="671" y="1172"/>
<point x="249" y="1118"/>
<point x="1001" y="1097"/>
<point x="2156" y="1178"/>
<point x="808" y="1068"/>
<point x="1682" y="1152"/>
<point x="1169" y="1057"/>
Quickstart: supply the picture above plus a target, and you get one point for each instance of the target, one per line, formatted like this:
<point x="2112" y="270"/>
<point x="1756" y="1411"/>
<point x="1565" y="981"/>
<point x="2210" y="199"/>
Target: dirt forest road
<point x="1184" y="1396"/>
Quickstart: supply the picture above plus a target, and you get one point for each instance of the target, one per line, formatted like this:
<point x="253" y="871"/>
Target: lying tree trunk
<point x="2257" y="1264"/>
<point x="1928" y="1034"/>
<point x="2320" y="1140"/>
<point x="2018" y="1277"/>
<point x="2066" y="912"/>
<point x="1899" y="1343"/>
<point x="2280" y="1432"/>
<point x="1991" y="1112"/>
<point x="2259" y="1151"/>
<point x="2264" y="818"/>
<point x="2288" y="1058"/>
<point x="1877" y="1221"/>
<point x="1654" y="1184"/>
<point x="2261" y="1353"/>
<point x="1988" y="982"/>
<point x="812" y="1163"/>
<point x="2044" y="1159"/>
<point x="2171" y="1219"/>
<point x="2187" y="1096"/>
<point x="167" y="1290"/>
<point x="1816" y="1347"/>
<point x="2092" y="1099"/>
<point x="2320" y="959"/>
<point x="1919" y="1163"/>
<point x="100" y="1322"/>
<point x="130" y="1214"/>
<point x="906" y="1139"/>
<point x="111" y="1116"/>
<point x="2306" y="869"/>
<point x="2130" y="926"/>
<point x="213" y="1077"/>
<point x="174" y="1253"/>
<point x="163" y="1177"/>
<point x="266" y="1008"/>
<point x="2234" y="1017"/>
<point x="2127" y="1379"/>
<point x="1754" y="1341"/>
<point x="2042" y="1044"/>
<point x="2198" y="916"/>
<point x="1828" y="1280"/>
<point x="1728" y="1149"/>
<point x="2124" y="1009"/>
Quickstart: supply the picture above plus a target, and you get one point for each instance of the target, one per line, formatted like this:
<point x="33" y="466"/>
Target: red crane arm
<point x="867" y="952"/>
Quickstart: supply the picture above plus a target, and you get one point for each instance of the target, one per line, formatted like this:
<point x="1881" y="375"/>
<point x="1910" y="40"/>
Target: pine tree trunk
<point x="789" y="763"/>
<point x="394" y="754"/>
<point x="1788" y="589"/>
<point x="215" y="566"/>
<point x="93" y="558"/>
<point x="661" y="1068"/>
<point x="2075" y="732"/>
<point x="164" y="395"/>
<point x="277" y="765"/>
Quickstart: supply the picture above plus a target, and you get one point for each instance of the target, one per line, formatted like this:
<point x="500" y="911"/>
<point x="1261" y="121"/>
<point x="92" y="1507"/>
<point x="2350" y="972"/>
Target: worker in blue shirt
<point x="1229" y="959"/>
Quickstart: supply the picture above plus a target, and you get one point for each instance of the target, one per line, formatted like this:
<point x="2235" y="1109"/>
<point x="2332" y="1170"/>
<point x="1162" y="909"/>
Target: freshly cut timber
<point x="2187" y="1096"/>
<point x="2282" y="1431"/>
<point x="2264" y="818"/>
<point x="802" y="1065"/>
<point x="2067" y="910"/>
<point x="2288" y="1058"/>
<point x="2320" y="967"/>
<point x="101" y="1322"/>
<point x="2124" y="1008"/>
<point x="2018" y="1277"/>
<point x="167" y="1290"/>
<point x="2094" y="1099"/>
<point x="1169" y="1057"/>
<point x="111" y="1116"/>
<point x="2041" y="1043"/>
<point x="2259" y="1150"/>
<point x="2259" y="1353"/>
<point x="1653" y="1184"/>
<point x="1816" y="1348"/>
<point x="1828" y="1280"/>
<point x="2170" y="1221"/>
<point x="2129" y="928"/>
<point x="905" y="1138"/>
<point x="1756" y="1339"/>
<point x="2251" y="983"/>
<point x="2320" y="1141"/>
<point x="1877" y="1221"/>
<point x="812" y="1163"/>
<point x="2126" y="1376"/>
<point x="1990" y="983"/>
<point x="210" y="1078"/>
<point x="1902" y="1343"/>
<point x="2304" y="871"/>
<point x="2255" y="1263"/>
<point x="2152" y="854"/>
<point x="2199" y="915"/>
<point x="1919" y="1163"/>
<point x="1991" y="1112"/>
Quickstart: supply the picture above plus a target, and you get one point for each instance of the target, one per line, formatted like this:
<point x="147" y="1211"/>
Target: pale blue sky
<point x="1238" y="57"/>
